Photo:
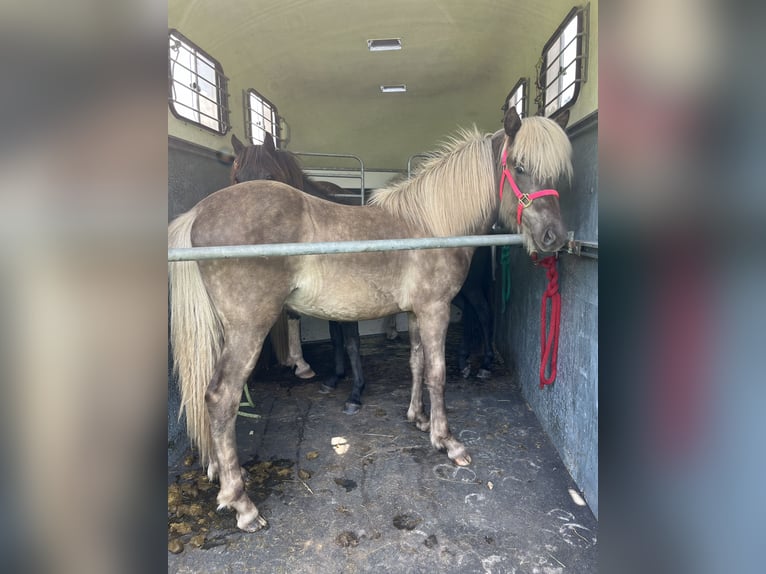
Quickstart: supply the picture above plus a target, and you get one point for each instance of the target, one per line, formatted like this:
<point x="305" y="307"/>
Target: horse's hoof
<point x="255" y="525"/>
<point x="351" y="408"/>
<point x="462" y="460"/>
<point x="466" y="372"/>
<point x="306" y="373"/>
<point x="423" y="425"/>
<point x="325" y="389"/>
<point x="483" y="374"/>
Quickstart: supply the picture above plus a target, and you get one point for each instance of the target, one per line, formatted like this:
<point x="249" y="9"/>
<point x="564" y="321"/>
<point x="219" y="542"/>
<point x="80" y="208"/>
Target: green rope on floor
<point x="505" y="274"/>
<point x="248" y="402"/>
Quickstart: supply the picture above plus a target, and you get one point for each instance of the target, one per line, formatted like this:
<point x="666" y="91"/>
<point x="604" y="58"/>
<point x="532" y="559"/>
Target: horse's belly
<point x="343" y="305"/>
<point x="348" y="293"/>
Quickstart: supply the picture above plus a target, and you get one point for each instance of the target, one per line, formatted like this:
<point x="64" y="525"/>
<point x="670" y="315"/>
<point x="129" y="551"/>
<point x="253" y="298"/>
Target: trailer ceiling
<point x="309" y="57"/>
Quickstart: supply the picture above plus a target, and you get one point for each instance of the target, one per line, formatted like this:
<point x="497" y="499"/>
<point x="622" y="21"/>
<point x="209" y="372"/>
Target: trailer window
<point x="262" y="118"/>
<point x="197" y="86"/>
<point x="561" y="68"/>
<point x="517" y="98"/>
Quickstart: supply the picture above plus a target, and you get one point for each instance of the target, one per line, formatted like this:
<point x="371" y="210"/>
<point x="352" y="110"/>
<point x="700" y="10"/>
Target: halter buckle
<point x="524" y="200"/>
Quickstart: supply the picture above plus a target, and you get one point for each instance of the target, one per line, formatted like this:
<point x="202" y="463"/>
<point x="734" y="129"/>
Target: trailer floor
<point x="383" y="500"/>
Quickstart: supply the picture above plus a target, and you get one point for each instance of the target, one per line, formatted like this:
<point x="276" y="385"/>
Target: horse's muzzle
<point x="552" y="239"/>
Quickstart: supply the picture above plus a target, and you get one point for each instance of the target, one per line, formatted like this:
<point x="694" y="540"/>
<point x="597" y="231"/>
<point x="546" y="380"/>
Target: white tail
<point x="196" y="336"/>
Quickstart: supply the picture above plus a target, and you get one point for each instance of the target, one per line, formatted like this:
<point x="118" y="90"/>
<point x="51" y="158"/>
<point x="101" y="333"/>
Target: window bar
<point x="561" y="73"/>
<point x="558" y="57"/>
<point x="197" y="112"/>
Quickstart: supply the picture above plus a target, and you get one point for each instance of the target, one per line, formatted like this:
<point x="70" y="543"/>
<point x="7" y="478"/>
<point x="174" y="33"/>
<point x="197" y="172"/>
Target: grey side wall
<point x="193" y="173"/>
<point x="568" y="409"/>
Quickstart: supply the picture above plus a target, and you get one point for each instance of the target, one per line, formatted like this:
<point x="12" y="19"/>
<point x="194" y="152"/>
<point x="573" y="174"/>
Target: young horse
<point x="222" y="310"/>
<point x="258" y="162"/>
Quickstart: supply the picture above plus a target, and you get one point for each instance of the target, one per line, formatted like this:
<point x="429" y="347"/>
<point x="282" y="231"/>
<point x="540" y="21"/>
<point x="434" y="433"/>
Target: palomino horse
<point x="222" y="310"/>
<point x="258" y="162"/>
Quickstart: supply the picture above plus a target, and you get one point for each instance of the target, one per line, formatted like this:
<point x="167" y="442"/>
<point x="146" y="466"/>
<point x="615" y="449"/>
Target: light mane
<point x="451" y="193"/>
<point x="535" y="135"/>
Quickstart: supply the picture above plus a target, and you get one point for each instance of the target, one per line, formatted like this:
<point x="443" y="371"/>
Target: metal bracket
<point x="581" y="248"/>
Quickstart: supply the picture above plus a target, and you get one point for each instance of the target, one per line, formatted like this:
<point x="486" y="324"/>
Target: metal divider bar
<point x="346" y="156"/>
<point x="332" y="247"/>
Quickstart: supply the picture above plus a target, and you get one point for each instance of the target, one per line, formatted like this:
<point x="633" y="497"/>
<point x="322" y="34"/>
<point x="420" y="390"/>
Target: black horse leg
<point x="465" y="341"/>
<point x="336" y="336"/>
<point x="351" y="340"/>
<point x="481" y="311"/>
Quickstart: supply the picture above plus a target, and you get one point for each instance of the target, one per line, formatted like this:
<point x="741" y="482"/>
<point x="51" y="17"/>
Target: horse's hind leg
<point x="415" y="413"/>
<point x="336" y="336"/>
<point x="464" y="352"/>
<point x="433" y="324"/>
<point x="302" y="368"/>
<point x="389" y="324"/>
<point x="352" y="344"/>
<point x="241" y="350"/>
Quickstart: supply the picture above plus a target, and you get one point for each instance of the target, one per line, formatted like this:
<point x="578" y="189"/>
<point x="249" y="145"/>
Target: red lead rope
<point x="549" y="335"/>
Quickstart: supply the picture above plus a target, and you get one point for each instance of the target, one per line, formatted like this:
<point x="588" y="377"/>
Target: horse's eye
<point x="519" y="169"/>
<point x="269" y="176"/>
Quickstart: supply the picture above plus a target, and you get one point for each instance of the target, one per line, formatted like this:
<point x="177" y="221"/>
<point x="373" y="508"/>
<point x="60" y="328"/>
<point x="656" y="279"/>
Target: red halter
<point x="525" y="199"/>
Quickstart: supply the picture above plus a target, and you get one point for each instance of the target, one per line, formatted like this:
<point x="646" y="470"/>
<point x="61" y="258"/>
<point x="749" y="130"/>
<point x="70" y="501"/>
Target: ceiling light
<point x="384" y="44"/>
<point x="393" y="89"/>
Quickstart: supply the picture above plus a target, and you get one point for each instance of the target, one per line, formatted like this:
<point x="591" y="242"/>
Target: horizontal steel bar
<point x="346" y="156"/>
<point x="316" y="172"/>
<point x="330" y="247"/>
<point x="320" y="154"/>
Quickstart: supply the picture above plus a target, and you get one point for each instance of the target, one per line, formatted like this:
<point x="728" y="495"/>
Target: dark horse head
<point x="267" y="162"/>
<point x="264" y="162"/>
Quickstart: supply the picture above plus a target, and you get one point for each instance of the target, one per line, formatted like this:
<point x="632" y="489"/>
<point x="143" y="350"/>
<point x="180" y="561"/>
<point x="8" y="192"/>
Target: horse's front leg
<point x="433" y="325"/>
<point x="352" y="345"/>
<point x="222" y="399"/>
<point x="483" y="314"/>
<point x="389" y="324"/>
<point x="302" y="368"/>
<point x="415" y="413"/>
<point x="336" y="336"/>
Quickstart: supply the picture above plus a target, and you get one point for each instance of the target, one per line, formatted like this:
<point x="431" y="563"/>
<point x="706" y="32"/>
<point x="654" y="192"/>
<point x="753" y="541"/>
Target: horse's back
<point x="262" y="211"/>
<point x="249" y="213"/>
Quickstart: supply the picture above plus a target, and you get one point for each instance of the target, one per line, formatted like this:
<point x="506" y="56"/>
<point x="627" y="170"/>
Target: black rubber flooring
<point x="367" y="493"/>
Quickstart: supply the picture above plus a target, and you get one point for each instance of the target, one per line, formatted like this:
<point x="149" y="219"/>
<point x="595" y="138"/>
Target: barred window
<point x="197" y="86"/>
<point x="517" y="98"/>
<point x="562" y="64"/>
<point x="262" y="118"/>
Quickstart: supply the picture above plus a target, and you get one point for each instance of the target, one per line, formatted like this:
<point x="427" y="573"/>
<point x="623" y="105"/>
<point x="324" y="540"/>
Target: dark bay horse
<point x="222" y="310"/>
<point x="259" y="162"/>
<point x="478" y="325"/>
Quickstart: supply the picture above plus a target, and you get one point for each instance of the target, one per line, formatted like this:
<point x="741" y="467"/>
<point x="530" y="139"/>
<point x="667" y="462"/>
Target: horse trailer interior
<point x="361" y="93"/>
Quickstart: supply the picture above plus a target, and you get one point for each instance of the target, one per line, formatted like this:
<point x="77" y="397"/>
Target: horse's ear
<point x="562" y="118"/>
<point x="268" y="142"/>
<point x="511" y="123"/>
<point x="238" y="145"/>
